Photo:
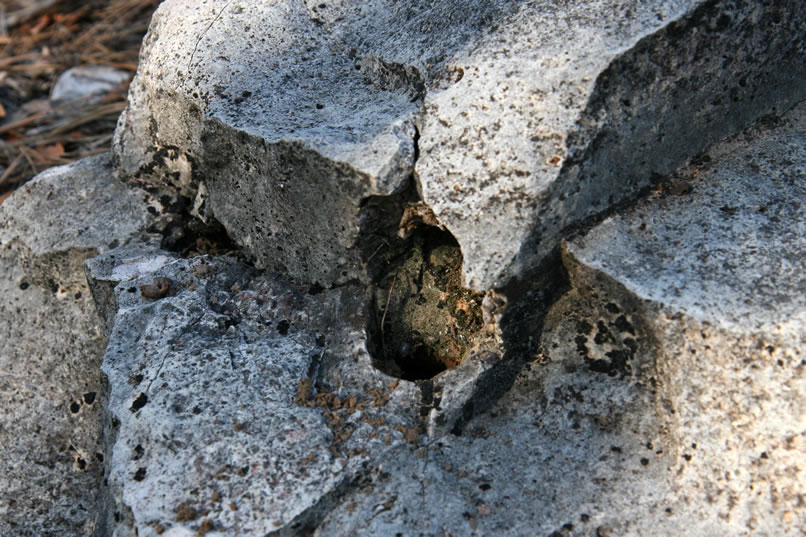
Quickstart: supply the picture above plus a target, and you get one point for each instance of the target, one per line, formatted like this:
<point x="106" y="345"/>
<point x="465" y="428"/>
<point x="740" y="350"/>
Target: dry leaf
<point x="49" y="152"/>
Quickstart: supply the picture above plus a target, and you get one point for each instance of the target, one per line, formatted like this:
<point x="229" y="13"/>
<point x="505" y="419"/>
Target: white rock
<point x="87" y="81"/>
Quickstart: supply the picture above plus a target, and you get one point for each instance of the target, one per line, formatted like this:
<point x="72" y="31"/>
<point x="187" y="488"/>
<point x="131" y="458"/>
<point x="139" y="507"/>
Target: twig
<point x="386" y="309"/>
<point x="23" y="122"/>
<point x="10" y="169"/>
<point x="378" y="249"/>
<point x="25" y="152"/>
<point x="11" y="60"/>
<point x="23" y="14"/>
<point x="196" y="46"/>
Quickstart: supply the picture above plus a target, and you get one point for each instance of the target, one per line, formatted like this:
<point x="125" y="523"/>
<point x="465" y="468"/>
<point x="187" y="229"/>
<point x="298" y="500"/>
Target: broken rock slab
<point x="516" y="119"/>
<point x="51" y="344"/>
<point x="715" y="264"/>
<point x="219" y="421"/>
<point x="668" y="393"/>
<point x="240" y="404"/>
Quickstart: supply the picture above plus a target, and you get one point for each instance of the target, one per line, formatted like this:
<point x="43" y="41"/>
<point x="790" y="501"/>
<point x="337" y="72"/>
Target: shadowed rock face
<point x="718" y="265"/>
<point x="659" y="388"/>
<point x="516" y="119"/>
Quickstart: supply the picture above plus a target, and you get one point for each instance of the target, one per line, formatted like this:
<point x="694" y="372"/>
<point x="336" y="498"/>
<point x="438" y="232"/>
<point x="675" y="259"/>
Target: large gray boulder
<point x="715" y="266"/>
<point x="668" y="396"/>
<point x="51" y="344"/>
<point x="516" y="119"/>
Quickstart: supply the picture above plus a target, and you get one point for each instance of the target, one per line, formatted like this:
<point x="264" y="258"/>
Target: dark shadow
<point x="529" y="300"/>
<point x="665" y="100"/>
<point x="423" y="320"/>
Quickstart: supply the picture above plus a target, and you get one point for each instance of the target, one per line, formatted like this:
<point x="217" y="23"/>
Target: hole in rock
<point x="139" y="402"/>
<point x="424" y="319"/>
<point x="187" y="235"/>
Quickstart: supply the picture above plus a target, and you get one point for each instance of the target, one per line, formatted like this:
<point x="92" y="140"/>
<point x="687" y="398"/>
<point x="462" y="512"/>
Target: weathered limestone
<point x="51" y="344"/>
<point x="280" y="119"/>
<point x="717" y="264"/>
<point x="218" y="419"/>
<point x="669" y="395"/>
<point x="564" y="452"/>
<point x="648" y="379"/>
<point x="88" y="82"/>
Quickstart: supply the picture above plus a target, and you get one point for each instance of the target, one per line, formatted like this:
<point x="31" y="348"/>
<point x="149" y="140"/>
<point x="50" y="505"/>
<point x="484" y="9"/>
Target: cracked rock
<point x="516" y="119"/>
<point x="51" y="343"/>
<point x="667" y="396"/>
<point x="219" y="403"/>
<point x="401" y="347"/>
<point x="716" y="271"/>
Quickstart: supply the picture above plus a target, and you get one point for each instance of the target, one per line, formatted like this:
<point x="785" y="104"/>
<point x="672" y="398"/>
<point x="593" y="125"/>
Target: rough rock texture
<point x="646" y="378"/>
<point x="280" y="119"/>
<point x="666" y="395"/>
<point x="718" y="269"/>
<point x="217" y="418"/>
<point x="669" y="395"/>
<point x="241" y="405"/>
<point x="567" y="451"/>
<point x="51" y="344"/>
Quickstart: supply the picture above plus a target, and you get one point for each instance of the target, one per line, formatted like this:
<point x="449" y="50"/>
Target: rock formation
<point x="418" y="268"/>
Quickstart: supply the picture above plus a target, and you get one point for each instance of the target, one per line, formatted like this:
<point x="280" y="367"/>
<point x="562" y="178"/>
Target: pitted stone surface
<point x="281" y="118"/>
<point x="219" y="420"/>
<point x="657" y="386"/>
<point x="568" y="108"/>
<point x="651" y="407"/>
<point x="724" y="244"/>
<point x="567" y="451"/>
<point x="717" y="264"/>
<point x="51" y="344"/>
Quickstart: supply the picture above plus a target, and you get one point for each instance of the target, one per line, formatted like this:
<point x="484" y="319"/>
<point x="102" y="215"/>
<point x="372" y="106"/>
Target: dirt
<point x="427" y="319"/>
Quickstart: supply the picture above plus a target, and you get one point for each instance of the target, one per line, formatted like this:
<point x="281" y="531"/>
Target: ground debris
<point x="39" y="40"/>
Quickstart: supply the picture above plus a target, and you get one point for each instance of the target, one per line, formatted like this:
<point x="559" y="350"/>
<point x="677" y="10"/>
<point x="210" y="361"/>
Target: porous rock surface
<point x="646" y="380"/>
<point x="239" y="404"/>
<point x="657" y="401"/>
<point x="51" y="344"/>
<point x="717" y="267"/>
<point x="669" y="393"/>
<point x="516" y="118"/>
<point x="215" y="422"/>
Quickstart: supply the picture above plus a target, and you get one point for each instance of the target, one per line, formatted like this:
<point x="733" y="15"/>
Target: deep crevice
<point x="423" y="319"/>
<point x="189" y="236"/>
